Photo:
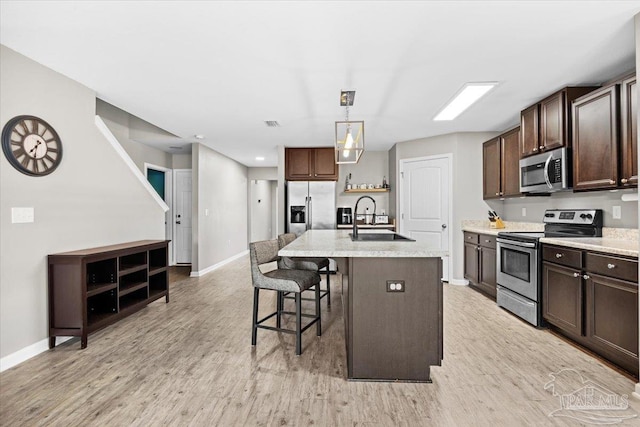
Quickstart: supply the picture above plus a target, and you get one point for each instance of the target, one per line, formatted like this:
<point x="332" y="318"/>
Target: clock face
<point x="31" y="145"/>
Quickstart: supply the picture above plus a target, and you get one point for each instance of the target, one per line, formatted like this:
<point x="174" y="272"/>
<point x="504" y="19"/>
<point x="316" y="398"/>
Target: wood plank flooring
<point x="190" y="363"/>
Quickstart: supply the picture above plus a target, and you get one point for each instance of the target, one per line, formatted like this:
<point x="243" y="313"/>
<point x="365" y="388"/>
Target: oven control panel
<point x="573" y="216"/>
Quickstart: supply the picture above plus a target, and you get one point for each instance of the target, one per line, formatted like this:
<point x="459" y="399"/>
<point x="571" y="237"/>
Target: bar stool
<point x="305" y="263"/>
<point x="281" y="281"/>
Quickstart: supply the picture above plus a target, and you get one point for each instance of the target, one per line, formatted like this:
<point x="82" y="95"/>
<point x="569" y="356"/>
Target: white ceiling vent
<point x="272" y="123"/>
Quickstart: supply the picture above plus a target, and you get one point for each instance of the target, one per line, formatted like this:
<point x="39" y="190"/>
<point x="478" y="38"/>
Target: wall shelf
<point x="368" y="190"/>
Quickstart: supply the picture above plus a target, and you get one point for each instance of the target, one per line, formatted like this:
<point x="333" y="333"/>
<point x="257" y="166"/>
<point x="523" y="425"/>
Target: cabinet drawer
<point x="611" y="266"/>
<point x="487" y="241"/>
<point x="562" y="256"/>
<point x="471" y="237"/>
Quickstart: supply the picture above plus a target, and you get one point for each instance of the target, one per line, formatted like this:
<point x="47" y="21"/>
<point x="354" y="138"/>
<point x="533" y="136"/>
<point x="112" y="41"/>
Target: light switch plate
<point x="21" y="215"/>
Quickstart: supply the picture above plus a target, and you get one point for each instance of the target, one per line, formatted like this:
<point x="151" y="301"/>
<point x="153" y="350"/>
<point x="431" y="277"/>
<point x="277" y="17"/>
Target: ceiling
<point x="220" y="69"/>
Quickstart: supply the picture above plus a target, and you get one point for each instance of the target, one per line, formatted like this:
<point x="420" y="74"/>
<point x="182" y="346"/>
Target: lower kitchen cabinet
<point x="480" y="262"/>
<point x="592" y="298"/>
<point x="562" y="297"/>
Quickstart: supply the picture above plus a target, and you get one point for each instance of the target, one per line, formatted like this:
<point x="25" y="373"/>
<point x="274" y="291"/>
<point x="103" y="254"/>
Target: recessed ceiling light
<point x="469" y="94"/>
<point x="259" y="159"/>
<point x="198" y="136"/>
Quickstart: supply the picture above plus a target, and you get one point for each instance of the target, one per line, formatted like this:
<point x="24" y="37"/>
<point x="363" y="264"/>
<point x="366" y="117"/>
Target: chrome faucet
<point x="355" y="214"/>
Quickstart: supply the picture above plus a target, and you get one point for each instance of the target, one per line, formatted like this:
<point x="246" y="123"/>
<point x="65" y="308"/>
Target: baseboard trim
<point x="213" y="267"/>
<point x="636" y="393"/>
<point x="13" y="359"/>
<point x="458" y="282"/>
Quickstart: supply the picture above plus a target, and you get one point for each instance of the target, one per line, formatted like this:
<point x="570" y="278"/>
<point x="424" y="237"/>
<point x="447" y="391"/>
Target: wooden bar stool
<point x="282" y="281"/>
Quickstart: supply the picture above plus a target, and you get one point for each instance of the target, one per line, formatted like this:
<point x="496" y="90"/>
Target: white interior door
<point x="424" y="195"/>
<point x="182" y="216"/>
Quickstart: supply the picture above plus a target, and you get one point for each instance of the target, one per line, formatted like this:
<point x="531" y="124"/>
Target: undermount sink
<point x="380" y="237"/>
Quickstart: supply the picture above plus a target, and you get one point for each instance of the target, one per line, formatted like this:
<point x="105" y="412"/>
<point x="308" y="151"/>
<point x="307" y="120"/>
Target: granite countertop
<point x="337" y="243"/>
<point x="617" y="241"/>
<point x="483" y="227"/>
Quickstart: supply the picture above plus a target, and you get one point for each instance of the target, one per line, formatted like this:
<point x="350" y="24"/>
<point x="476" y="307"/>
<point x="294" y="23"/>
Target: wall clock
<point x="31" y="145"/>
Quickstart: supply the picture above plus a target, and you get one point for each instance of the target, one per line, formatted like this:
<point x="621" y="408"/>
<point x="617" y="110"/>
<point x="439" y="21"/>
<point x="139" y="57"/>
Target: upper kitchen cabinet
<point x="595" y="128"/>
<point x="500" y="156"/>
<point x="629" y="132"/>
<point x="310" y="164"/>
<point x="547" y="124"/>
<point x="605" y="152"/>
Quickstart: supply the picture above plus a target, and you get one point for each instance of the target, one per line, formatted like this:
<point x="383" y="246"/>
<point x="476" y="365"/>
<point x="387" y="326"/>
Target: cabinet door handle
<point x="576" y="274"/>
<point x="541" y="147"/>
<point x="535" y="149"/>
<point x="478" y="248"/>
<point x="487" y="241"/>
<point x="558" y="255"/>
<point x="586" y="277"/>
<point x="611" y="266"/>
<point x="624" y="180"/>
<point x="611" y="181"/>
<point x="501" y="193"/>
<point x="497" y="194"/>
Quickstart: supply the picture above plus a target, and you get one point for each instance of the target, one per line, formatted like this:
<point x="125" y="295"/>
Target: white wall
<point x="92" y="199"/>
<point x="261" y="209"/>
<point x="269" y="174"/>
<point x="467" y="203"/>
<point x="126" y="127"/>
<point x="219" y="187"/>
<point x="372" y="167"/>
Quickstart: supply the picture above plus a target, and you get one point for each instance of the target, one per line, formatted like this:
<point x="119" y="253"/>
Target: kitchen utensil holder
<point x="496" y="224"/>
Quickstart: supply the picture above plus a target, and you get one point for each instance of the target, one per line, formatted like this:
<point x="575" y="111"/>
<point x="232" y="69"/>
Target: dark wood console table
<point x="93" y="288"/>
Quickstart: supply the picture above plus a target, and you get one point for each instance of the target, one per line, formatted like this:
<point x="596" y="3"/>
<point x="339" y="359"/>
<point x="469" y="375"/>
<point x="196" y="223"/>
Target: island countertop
<point x="338" y="243"/>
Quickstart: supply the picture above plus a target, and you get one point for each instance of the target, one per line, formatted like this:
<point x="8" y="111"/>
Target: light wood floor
<point x="190" y="363"/>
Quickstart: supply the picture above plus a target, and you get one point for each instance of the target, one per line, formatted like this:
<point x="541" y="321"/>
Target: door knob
<point x="444" y="226"/>
<point x="178" y="222"/>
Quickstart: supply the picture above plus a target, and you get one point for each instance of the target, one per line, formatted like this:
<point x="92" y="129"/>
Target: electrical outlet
<point x="395" y="286"/>
<point x="21" y="215"/>
<point x="524" y="211"/>
<point x="617" y="212"/>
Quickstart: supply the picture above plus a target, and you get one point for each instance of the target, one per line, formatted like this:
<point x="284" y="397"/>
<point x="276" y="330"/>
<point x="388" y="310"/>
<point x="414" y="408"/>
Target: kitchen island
<point x="392" y="302"/>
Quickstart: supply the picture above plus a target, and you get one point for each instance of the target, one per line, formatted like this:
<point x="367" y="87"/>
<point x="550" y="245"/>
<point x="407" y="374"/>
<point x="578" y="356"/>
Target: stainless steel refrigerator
<point x="311" y="205"/>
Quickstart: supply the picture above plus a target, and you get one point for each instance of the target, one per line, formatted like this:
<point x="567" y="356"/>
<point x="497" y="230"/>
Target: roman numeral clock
<point x="31" y="145"/>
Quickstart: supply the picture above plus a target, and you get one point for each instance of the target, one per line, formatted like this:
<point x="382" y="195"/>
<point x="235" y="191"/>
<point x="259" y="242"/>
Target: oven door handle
<point x="546" y="171"/>
<point x="512" y="243"/>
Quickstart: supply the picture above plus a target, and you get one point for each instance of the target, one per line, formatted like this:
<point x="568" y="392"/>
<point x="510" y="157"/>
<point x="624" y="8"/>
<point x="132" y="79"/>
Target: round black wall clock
<point x="31" y="145"/>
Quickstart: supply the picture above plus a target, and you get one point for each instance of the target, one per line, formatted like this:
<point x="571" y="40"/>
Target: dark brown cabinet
<point x="605" y="152"/>
<point x="90" y="289"/>
<point x="595" y="152"/>
<point x="547" y="124"/>
<point x="310" y="164"/>
<point x="629" y="132"/>
<point x="562" y="297"/>
<point x="592" y="298"/>
<point x="501" y="173"/>
<point x="480" y="262"/>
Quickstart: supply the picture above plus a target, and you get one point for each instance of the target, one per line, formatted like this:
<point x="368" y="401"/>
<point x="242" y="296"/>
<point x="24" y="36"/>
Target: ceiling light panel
<point x="463" y="99"/>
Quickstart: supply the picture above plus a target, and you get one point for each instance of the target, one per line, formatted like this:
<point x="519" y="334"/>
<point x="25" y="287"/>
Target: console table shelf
<point x="93" y="288"/>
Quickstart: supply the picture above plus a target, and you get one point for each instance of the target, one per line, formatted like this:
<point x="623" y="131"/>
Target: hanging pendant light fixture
<point x="349" y="139"/>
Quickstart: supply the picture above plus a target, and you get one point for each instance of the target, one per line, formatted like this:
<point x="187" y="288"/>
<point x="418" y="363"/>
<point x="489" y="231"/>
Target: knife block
<point x="497" y="224"/>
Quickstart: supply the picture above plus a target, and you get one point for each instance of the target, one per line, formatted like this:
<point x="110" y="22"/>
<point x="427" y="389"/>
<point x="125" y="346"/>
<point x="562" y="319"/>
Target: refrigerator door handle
<point x="310" y="219"/>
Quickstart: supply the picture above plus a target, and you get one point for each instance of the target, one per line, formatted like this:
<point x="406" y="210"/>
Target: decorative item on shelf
<point x="384" y="182"/>
<point x="347" y="184"/>
<point x="349" y="139"/>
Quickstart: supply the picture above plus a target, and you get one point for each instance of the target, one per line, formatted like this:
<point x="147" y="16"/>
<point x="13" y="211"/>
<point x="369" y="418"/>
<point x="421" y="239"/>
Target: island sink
<point x="379" y="237"/>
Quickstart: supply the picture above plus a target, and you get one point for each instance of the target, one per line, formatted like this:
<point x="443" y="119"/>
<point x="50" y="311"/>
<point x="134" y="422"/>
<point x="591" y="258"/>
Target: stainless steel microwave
<point x="546" y="172"/>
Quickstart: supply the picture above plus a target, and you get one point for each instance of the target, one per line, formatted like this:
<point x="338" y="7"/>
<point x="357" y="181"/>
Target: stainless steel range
<point x="519" y="264"/>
